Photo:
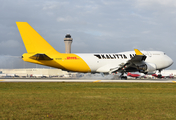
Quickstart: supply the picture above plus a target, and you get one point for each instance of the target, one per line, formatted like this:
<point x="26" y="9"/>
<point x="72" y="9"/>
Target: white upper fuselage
<point x="103" y="62"/>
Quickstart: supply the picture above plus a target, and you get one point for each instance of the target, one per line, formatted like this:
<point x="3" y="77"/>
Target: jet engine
<point x="147" y="68"/>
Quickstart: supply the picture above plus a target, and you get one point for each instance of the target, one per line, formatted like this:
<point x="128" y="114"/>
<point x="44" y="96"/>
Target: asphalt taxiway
<point x="87" y="80"/>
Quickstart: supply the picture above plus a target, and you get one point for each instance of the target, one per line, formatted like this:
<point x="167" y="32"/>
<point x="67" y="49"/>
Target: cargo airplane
<point x="39" y="51"/>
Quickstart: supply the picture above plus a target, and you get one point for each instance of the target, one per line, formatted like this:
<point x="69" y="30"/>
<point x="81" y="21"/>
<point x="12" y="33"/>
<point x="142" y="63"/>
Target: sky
<point x="96" y="26"/>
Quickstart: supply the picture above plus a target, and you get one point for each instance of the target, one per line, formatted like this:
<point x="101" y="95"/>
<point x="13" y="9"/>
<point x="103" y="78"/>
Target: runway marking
<point x="97" y="81"/>
<point x="174" y="81"/>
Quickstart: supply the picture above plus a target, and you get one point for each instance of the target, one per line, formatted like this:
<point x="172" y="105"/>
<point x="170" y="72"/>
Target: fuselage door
<point x="149" y="54"/>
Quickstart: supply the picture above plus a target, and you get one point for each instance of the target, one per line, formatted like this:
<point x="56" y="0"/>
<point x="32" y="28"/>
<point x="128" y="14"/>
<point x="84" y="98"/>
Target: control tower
<point x="68" y="41"/>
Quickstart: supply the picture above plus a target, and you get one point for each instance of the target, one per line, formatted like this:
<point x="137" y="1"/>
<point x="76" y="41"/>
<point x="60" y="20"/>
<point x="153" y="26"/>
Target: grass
<point x="118" y="101"/>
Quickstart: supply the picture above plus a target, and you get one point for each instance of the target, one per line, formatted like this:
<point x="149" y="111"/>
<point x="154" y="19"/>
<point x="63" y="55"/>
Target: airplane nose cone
<point x="165" y="62"/>
<point x="170" y="61"/>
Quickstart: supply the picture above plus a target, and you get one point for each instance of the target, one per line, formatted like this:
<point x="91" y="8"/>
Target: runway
<point x="95" y="81"/>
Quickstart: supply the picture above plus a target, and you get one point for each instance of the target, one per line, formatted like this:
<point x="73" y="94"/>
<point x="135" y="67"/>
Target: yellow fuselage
<point x="70" y="62"/>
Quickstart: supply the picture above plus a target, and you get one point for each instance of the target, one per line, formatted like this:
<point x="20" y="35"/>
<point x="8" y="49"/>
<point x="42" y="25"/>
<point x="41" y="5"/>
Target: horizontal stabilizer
<point x="41" y="57"/>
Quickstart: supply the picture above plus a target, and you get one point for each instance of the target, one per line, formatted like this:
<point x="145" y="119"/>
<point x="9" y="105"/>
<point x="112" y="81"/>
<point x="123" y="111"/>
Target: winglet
<point x="137" y="52"/>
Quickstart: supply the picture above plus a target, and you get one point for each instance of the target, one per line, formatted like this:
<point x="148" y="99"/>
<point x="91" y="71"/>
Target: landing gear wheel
<point x="123" y="77"/>
<point x="159" y="76"/>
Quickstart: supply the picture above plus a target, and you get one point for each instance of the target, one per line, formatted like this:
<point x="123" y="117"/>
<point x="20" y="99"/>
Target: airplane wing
<point x="131" y="65"/>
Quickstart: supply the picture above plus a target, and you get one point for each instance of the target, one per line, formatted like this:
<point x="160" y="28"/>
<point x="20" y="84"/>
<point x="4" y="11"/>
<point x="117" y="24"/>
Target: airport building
<point x="68" y="41"/>
<point x="33" y="72"/>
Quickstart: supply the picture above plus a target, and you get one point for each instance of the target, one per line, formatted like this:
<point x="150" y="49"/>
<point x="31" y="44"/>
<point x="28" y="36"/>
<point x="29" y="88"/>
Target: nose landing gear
<point x="159" y="75"/>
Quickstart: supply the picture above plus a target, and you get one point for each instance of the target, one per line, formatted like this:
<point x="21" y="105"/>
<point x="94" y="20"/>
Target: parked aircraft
<point x="133" y="75"/>
<point x="39" y="76"/>
<point x="39" y="51"/>
<point x="165" y="74"/>
<point x="8" y="75"/>
<point x="157" y="75"/>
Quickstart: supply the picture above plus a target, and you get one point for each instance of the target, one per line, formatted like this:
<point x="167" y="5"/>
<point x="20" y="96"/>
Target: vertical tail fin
<point x="33" y="41"/>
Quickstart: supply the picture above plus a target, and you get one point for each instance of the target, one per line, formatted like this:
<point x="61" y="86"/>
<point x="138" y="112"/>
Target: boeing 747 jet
<point x="39" y="51"/>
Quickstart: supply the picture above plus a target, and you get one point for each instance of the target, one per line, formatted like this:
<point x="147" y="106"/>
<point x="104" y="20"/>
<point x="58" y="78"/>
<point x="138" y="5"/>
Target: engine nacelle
<point x="148" y="68"/>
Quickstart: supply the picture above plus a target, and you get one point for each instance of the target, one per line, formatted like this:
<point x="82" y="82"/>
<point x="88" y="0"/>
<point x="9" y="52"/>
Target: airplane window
<point x="125" y="57"/>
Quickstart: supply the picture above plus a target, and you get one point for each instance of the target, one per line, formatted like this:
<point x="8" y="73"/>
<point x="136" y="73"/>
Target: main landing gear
<point x="122" y="77"/>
